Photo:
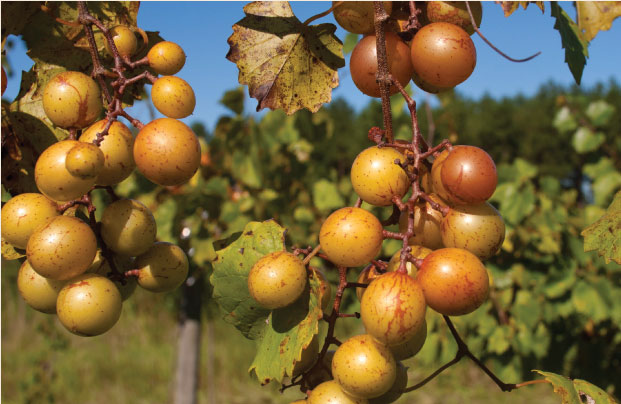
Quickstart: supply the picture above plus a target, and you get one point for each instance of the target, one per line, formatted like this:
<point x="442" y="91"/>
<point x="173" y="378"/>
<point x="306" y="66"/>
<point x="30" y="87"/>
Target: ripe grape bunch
<point x="439" y="198"/>
<point x="82" y="270"/>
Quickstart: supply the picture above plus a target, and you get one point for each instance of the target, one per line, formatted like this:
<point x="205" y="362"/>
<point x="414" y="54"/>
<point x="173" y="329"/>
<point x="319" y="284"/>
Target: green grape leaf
<point x="498" y="342"/>
<point x="595" y="16"/>
<point x="11" y="253"/>
<point x="588" y="301"/>
<point x="571" y="391"/>
<point x="16" y="15"/>
<point x="247" y="169"/>
<point x="326" y="195"/>
<point x="573" y="41"/>
<point x="165" y="220"/>
<point x="288" y="331"/>
<point x="564" y="120"/>
<point x="604" y="236"/>
<point x="508" y="7"/>
<point x="600" y="112"/>
<point x="585" y="140"/>
<point x="234" y="100"/>
<point x="286" y="64"/>
<point x="351" y="40"/>
<point x="515" y="202"/>
<point x="230" y="275"/>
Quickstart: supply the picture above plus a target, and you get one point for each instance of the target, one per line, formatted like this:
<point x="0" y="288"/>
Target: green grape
<point x="128" y="227"/>
<point x="39" y="293"/>
<point x="163" y="267"/>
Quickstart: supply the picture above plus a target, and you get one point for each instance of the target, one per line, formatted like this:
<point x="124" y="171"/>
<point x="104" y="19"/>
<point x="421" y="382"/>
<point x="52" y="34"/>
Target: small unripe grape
<point x="166" y="58"/>
<point x="468" y="175"/>
<point x="173" y="97"/>
<point x="418" y="251"/>
<point x="351" y="237"/>
<point x="358" y="16"/>
<point x="118" y="150"/>
<point x="393" y="308"/>
<point x="89" y="305"/>
<point x="22" y="214"/>
<point x="124" y="40"/>
<point x="39" y="293"/>
<point x="397" y="389"/>
<point x="455" y="12"/>
<point x="363" y="63"/>
<point x="167" y="152"/>
<point x="277" y="279"/>
<point x="476" y="228"/>
<point x="307" y="358"/>
<point x="52" y="177"/>
<point x="63" y="248"/>
<point x="443" y="54"/>
<point x="412" y="346"/>
<point x="325" y="289"/>
<point x="364" y="367"/>
<point x="128" y="227"/>
<point x="427" y="223"/>
<point x="101" y="266"/>
<point x="331" y="393"/>
<point x="72" y="100"/>
<point x="436" y="175"/>
<point x="163" y="267"/>
<point x="454" y="281"/>
<point x="376" y="177"/>
<point x="366" y="276"/>
<point x="84" y="160"/>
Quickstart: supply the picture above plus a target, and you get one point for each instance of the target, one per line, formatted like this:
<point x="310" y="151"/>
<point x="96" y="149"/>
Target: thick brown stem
<point x="382" y="77"/>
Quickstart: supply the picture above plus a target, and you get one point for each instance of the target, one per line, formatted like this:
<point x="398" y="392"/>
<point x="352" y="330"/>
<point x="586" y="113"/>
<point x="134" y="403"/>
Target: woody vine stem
<point x="417" y="153"/>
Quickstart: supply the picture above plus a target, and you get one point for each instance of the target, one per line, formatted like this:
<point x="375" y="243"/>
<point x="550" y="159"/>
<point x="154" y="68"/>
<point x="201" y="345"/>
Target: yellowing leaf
<point x="605" y="234"/>
<point x="510" y="6"/>
<point x="285" y="64"/>
<point x="595" y="16"/>
<point x="11" y="253"/>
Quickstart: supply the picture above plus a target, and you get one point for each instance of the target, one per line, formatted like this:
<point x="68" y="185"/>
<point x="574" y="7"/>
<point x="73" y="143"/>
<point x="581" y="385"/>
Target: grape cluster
<point x="83" y="271"/>
<point x="446" y="224"/>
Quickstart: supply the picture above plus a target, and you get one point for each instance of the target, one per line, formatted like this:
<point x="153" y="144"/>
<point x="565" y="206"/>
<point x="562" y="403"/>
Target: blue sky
<point x="202" y="29"/>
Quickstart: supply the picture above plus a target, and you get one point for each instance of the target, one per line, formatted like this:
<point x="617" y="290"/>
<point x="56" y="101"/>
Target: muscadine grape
<point x="366" y="276"/>
<point x="308" y="357"/>
<point x="101" y="267"/>
<point x="277" y="279"/>
<point x="166" y="58"/>
<point x="393" y="308"/>
<point x="39" y="293"/>
<point x="72" y="100"/>
<point x="455" y="12"/>
<point x="89" y="305"/>
<point x="173" y="97"/>
<point x="423" y="85"/>
<point x="61" y="249"/>
<point x="363" y="63"/>
<point x="454" y="281"/>
<point x="436" y="178"/>
<point x="167" y="152"/>
<point x="325" y="289"/>
<point x="351" y="237"/>
<point x="427" y="222"/>
<point x="418" y="251"/>
<point x="22" y="214"/>
<point x="412" y="346"/>
<point x="443" y="54"/>
<point x="364" y="367"/>
<point x="124" y="40"/>
<point x="468" y="175"/>
<point x="331" y="393"/>
<point x="84" y="160"/>
<point x="118" y="149"/>
<point x="128" y="227"/>
<point x="376" y="177"/>
<point x="52" y="177"/>
<point x="476" y="228"/>
<point x="358" y="16"/>
<point x="397" y="388"/>
<point x="163" y="267"/>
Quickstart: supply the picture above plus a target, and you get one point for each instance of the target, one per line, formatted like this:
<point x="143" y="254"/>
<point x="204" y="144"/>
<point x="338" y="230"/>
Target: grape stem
<point x="318" y="16"/>
<point x="382" y="76"/>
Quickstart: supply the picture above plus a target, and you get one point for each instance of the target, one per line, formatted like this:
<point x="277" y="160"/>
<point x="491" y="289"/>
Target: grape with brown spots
<point x="128" y="227"/>
<point x="166" y="58"/>
<point x="162" y="268"/>
<point x="84" y="160"/>
<point x="468" y="175"/>
<point x="358" y="16"/>
<point x="331" y="393"/>
<point x="173" y="97"/>
<point x="23" y="214"/>
<point x="72" y="100"/>
<point x="124" y="40"/>
<point x="277" y="279"/>
<point x="39" y="293"/>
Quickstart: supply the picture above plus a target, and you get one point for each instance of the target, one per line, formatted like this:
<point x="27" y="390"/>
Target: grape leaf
<point x="600" y="112"/>
<point x="230" y="275"/>
<point x="11" y="253"/>
<point x="585" y="140"/>
<point x="16" y="15"/>
<point x="510" y="6"/>
<point x="288" y="332"/>
<point x="605" y="234"/>
<point x="573" y="41"/>
<point x="570" y="391"/>
<point x="595" y="16"/>
<point x="326" y="195"/>
<point x="285" y="64"/>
